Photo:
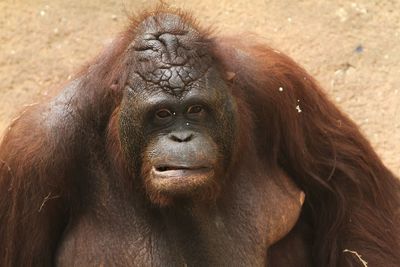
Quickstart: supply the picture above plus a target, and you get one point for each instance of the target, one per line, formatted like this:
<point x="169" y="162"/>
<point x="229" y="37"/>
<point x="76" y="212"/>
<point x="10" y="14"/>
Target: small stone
<point x="359" y="49"/>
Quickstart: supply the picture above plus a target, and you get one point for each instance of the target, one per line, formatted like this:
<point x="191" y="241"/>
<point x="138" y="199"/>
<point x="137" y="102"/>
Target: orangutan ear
<point x="230" y="75"/>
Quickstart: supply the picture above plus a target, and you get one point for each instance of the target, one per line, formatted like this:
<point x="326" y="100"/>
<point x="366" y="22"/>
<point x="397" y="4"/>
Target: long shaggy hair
<point x="352" y="199"/>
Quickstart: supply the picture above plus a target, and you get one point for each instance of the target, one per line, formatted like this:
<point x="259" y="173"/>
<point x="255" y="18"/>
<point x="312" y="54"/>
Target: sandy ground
<point x="351" y="47"/>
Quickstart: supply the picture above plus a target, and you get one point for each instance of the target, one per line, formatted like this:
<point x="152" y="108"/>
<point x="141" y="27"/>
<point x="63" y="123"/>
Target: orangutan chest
<point x="85" y="245"/>
<point x="183" y="244"/>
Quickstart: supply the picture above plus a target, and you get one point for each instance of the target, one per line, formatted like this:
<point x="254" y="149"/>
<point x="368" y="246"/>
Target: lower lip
<point x="180" y="173"/>
<point x="180" y="180"/>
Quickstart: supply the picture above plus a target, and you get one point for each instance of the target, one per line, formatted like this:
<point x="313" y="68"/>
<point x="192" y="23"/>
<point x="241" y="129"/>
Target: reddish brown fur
<point x="352" y="198"/>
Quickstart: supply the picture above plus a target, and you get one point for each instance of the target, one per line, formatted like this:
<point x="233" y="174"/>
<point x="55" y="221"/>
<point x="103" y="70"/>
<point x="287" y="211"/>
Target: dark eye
<point x="195" y="109"/>
<point x="163" y="114"/>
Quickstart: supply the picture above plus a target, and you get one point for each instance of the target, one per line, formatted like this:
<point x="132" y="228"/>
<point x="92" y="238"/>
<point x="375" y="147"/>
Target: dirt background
<point x="351" y="47"/>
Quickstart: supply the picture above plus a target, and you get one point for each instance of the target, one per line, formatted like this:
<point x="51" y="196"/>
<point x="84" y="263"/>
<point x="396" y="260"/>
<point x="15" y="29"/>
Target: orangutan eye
<point x="195" y="109"/>
<point x="163" y="113"/>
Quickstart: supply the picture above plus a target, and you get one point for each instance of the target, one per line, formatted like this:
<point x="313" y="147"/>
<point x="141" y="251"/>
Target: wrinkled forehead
<point x="170" y="53"/>
<point x="166" y="23"/>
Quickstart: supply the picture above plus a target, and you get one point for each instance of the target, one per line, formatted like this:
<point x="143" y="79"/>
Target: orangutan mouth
<point x="173" y="171"/>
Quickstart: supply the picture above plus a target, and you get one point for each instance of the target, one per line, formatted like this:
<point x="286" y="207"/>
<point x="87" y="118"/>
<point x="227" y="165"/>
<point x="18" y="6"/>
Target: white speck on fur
<point x="47" y="198"/>
<point x="364" y="263"/>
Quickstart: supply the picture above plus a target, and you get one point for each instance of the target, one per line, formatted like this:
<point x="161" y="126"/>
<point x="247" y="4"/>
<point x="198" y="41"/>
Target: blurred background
<point x="351" y="47"/>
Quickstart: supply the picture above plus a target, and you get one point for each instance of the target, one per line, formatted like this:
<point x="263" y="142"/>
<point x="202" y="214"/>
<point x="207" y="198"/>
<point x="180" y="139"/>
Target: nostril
<point x="188" y="138"/>
<point x="181" y="137"/>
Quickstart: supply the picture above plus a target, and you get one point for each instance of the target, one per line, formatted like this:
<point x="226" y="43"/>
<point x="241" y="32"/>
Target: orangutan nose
<point x="180" y="137"/>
